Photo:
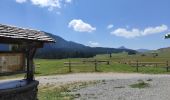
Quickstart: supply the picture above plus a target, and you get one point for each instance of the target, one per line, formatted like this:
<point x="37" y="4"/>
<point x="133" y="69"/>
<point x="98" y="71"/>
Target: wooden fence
<point x="99" y="61"/>
<point x="138" y="64"/>
<point x="94" y="62"/>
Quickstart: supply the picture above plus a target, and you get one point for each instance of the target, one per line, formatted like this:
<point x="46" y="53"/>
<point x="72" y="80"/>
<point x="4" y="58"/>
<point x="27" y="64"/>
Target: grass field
<point x="51" y="67"/>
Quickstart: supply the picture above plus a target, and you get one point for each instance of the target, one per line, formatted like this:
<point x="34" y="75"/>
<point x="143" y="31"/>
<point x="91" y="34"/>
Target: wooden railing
<point x="138" y="64"/>
<point x="70" y="64"/>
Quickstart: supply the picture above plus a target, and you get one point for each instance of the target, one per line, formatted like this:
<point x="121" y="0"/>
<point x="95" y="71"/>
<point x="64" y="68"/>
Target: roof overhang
<point x="17" y="35"/>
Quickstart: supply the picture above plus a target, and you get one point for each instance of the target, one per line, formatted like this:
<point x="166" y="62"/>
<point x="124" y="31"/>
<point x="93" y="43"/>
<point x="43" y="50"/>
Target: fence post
<point x="167" y="66"/>
<point x="129" y="63"/>
<point x="69" y="66"/>
<point x="108" y="62"/>
<point x="156" y="65"/>
<point x="110" y="55"/>
<point x="137" y="66"/>
<point x="95" y="65"/>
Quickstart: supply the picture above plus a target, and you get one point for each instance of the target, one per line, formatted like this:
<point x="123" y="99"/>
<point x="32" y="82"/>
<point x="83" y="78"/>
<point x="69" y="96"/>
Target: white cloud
<point x="21" y="1"/>
<point x="93" y="44"/>
<point x="122" y="32"/>
<point x="153" y="30"/>
<point x="50" y="4"/>
<point x="80" y="26"/>
<point x="125" y="33"/>
<point x="110" y="26"/>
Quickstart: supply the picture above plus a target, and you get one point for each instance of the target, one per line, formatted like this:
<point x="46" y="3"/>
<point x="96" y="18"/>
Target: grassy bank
<point x="62" y="92"/>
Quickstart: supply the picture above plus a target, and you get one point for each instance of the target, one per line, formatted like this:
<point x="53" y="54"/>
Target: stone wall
<point x="27" y="92"/>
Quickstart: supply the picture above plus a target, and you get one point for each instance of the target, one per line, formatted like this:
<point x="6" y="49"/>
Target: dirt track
<point x="62" y="79"/>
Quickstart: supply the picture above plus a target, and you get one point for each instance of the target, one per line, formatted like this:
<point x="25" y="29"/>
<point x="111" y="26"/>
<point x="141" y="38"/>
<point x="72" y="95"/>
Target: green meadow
<point x="56" y="66"/>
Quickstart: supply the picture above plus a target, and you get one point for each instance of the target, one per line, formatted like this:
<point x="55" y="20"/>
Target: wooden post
<point x="167" y="66"/>
<point x="110" y="55"/>
<point x="30" y="65"/>
<point x="129" y="62"/>
<point x="69" y="66"/>
<point x="0" y="68"/>
<point x="108" y="62"/>
<point x="137" y="66"/>
<point x="95" y="65"/>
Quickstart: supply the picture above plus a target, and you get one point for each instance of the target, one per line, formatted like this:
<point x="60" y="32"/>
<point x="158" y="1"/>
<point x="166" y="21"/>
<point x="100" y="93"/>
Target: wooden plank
<point x="73" y="63"/>
<point x="12" y="62"/>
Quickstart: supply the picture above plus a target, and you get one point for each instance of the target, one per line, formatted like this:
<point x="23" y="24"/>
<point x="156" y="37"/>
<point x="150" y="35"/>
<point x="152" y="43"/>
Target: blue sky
<point x="106" y="23"/>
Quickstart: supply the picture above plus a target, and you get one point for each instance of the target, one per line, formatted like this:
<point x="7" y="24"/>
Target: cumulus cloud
<point x="93" y="44"/>
<point x="110" y="26"/>
<point x="136" y="32"/>
<point x="21" y="1"/>
<point x="126" y="33"/>
<point x="153" y="30"/>
<point x="50" y="4"/>
<point x="81" y="26"/>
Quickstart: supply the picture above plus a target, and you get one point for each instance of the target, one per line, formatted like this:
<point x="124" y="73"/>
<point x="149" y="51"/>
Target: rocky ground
<point x="120" y="89"/>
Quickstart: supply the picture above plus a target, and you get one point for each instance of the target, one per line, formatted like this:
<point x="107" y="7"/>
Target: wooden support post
<point x="137" y="66"/>
<point x="28" y="68"/>
<point x="30" y="64"/>
<point x="95" y="65"/>
<point x="167" y="66"/>
<point x="0" y="68"/>
<point x="69" y="66"/>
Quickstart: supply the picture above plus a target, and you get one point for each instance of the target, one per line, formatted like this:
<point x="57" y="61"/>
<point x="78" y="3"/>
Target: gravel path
<point x="68" y="78"/>
<point x="115" y="86"/>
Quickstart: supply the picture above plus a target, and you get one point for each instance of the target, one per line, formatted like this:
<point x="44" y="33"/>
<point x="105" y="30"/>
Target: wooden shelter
<point x="28" y="41"/>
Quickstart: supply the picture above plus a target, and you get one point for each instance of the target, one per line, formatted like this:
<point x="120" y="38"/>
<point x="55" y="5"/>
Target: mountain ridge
<point x="73" y="49"/>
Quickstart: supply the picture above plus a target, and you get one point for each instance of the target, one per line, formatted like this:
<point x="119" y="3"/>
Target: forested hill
<point x="65" y="49"/>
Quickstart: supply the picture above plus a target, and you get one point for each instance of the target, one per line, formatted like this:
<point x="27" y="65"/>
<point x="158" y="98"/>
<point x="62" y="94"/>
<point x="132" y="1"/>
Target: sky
<point x="134" y="24"/>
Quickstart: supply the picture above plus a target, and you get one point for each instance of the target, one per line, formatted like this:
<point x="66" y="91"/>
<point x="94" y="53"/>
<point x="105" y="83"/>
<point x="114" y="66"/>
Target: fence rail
<point x="138" y="64"/>
<point x="93" y="62"/>
<point x="99" y="61"/>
